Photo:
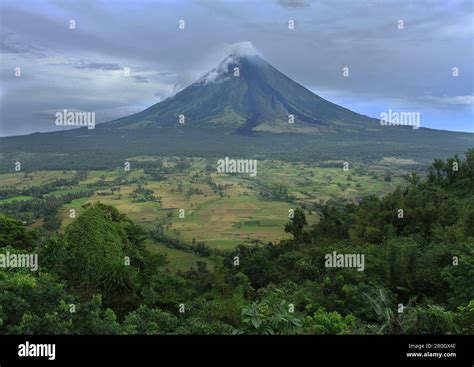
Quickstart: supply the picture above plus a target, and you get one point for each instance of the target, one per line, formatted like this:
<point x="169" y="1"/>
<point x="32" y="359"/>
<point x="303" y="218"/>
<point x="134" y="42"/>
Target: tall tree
<point x="296" y="224"/>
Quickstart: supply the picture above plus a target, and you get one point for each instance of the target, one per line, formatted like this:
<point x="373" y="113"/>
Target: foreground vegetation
<point x="100" y="275"/>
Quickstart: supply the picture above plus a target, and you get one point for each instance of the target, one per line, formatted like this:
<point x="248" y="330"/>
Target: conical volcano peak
<point x="246" y="92"/>
<point x="244" y="50"/>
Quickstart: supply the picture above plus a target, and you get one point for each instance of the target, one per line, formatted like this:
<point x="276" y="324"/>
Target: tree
<point x="149" y="321"/>
<point x="95" y="240"/>
<point x="92" y="318"/>
<point x="322" y="322"/>
<point x="119" y="283"/>
<point x="296" y="225"/>
<point x="432" y="319"/>
<point x="469" y="223"/>
<point x="54" y="255"/>
<point x="413" y="179"/>
<point x="385" y="310"/>
<point x="14" y="234"/>
<point x="26" y="297"/>
<point x="438" y="166"/>
<point x="269" y="316"/>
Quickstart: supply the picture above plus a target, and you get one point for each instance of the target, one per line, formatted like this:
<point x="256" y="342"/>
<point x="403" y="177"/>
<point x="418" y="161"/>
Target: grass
<point x="178" y="260"/>
<point x="16" y="198"/>
<point x="20" y="180"/>
<point x="216" y="221"/>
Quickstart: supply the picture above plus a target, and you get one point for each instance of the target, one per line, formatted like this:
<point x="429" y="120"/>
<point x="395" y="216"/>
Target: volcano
<point x="246" y="92"/>
<point x="244" y="107"/>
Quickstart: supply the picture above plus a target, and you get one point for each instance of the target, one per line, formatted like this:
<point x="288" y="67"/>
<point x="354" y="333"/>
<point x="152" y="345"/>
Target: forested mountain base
<point x="106" y="147"/>
<point x="416" y="277"/>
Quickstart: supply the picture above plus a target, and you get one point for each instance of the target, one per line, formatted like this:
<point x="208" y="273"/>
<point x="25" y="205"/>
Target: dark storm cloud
<point x="81" y="67"/>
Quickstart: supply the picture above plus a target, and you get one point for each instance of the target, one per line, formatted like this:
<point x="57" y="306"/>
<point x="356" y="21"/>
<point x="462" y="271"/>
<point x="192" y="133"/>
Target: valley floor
<point x="190" y="202"/>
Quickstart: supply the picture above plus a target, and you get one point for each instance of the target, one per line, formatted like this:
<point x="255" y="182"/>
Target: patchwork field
<point x="187" y="200"/>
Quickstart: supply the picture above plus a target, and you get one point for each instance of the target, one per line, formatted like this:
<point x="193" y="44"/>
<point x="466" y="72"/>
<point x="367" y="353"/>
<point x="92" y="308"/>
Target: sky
<point x="391" y="67"/>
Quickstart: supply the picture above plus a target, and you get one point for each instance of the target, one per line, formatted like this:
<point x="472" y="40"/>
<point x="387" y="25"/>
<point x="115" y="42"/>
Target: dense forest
<point x="40" y="151"/>
<point x="418" y="244"/>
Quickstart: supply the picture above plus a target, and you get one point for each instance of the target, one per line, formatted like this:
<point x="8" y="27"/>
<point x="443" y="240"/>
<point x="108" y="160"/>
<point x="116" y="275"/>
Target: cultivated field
<point x="188" y="200"/>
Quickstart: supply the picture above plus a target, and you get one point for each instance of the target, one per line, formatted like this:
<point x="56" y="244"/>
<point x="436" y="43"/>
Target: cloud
<point x="117" y="67"/>
<point x="294" y="3"/>
<point x="243" y="49"/>
<point x="140" y="79"/>
<point x="236" y="51"/>
<point x="182" y="81"/>
<point x="8" y="45"/>
<point x="449" y="100"/>
<point x="99" y="66"/>
<point x="47" y="115"/>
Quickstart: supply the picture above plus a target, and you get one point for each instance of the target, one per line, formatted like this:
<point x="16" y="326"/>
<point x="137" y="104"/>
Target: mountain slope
<point x="259" y="98"/>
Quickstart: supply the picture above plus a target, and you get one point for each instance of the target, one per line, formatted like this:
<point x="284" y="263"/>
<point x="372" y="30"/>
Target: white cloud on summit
<point x="243" y="49"/>
<point x="235" y="52"/>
